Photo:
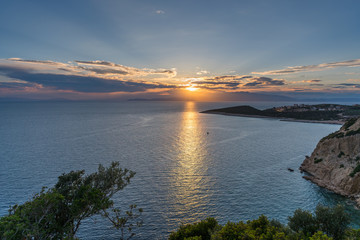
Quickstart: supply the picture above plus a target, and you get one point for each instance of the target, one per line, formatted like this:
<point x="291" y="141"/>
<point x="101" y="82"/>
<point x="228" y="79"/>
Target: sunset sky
<point x="202" y="50"/>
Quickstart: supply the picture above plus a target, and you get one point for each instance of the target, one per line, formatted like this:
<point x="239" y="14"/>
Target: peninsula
<point x="321" y="113"/>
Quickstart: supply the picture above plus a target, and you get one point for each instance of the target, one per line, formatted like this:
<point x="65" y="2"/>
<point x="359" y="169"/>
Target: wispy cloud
<point x="311" y="81"/>
<point x="234" y="82"/>
<point x="160" y="11"/>
<point x="202" y="72"/>
<point x="311" y="68"/>
<point x="347" y="85"/>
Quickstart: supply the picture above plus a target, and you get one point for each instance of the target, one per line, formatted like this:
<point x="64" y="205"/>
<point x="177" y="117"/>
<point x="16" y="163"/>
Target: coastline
<point x="281" y="119"/>
<point x="353" y="197"/>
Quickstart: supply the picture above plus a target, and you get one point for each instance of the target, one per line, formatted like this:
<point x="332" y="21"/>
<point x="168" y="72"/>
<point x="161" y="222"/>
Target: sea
<point x="189" y="165"/>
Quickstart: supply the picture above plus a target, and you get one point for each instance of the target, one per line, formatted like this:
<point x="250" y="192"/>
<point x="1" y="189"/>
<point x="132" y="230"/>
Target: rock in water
<point x="335" y="162"/>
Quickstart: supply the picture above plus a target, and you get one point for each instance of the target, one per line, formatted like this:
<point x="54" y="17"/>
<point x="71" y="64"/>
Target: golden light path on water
<point x="191" y="182"/>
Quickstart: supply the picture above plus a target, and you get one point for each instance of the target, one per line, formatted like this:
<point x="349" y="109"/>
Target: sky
<point x="203" y="50"/>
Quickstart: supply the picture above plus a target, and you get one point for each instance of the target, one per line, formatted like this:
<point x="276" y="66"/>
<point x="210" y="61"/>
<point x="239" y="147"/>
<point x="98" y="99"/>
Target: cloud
<point x="160" y="12"/>
<point x="202" y="72"/>
<point x="104" y="77"/>
<point x="233" y="82"/>
<point x="87" y="67"/>
<point x="104" y="67"/>
<point x="229" y="77"/>
<point x="312" y="81"/>
<point x="16" y="85"/>
<point x="219" y="82"/>
<point x="264" y="81"/>
<point x="347" y="85"/>
<point x="34" y="61"/>
<point x="311" y="68"/>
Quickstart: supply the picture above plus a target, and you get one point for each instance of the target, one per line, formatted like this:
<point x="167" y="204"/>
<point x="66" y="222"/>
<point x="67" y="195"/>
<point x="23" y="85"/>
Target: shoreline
<point x="280" y="119"/>
<point x="311" y="178"/>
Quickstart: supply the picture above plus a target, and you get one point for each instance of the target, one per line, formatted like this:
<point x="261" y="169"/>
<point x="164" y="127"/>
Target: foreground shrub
<point x="320" y="236"/>
<point x="303" y="221"/>
<point x="260" y="228"/>
<point x="58" y="212"/>
<point x="333" y="221"/>
<point x="326" y="224"/>
<point x="201" y="230"/>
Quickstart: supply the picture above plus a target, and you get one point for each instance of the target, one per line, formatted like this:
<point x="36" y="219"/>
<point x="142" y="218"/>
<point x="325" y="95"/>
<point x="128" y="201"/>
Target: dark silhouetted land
<point x="323" y="113"/>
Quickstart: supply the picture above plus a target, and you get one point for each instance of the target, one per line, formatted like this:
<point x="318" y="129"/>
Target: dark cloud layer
<point x="347" y="85"/>
<point x="106" y="71"/>
<point x="261" y="81"/>
<point x="87" y="84"/>
<point x="232" y="82"/>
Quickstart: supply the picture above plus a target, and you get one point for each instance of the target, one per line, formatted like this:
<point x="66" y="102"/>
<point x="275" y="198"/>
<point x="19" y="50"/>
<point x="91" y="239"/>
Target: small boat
<point x="290" y="169"/>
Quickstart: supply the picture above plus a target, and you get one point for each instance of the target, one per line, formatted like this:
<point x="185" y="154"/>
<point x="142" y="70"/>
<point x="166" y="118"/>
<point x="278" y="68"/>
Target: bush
<point x="303" y="221"/>
<point x="356" y="170"/>
<point x="317" y="160"/>
<point x="326" y="224"/>
<point x="336" y="134"/>
<point x="349" y="123"/>
<point x="352" y="132"/>
<point x="333" y="221"/>
<point x="320" y="236"/>
<point x="201" y="230"/>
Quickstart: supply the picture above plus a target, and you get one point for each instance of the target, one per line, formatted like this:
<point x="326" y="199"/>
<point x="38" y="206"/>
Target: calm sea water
<point x="236" y="172"/>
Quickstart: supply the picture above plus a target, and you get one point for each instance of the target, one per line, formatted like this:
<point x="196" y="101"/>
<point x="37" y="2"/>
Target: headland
<point x="320" y="113"/>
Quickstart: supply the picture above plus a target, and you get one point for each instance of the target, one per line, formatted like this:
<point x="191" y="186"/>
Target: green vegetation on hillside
<point x="349" y="123"/>
<point x="325" y="223"/>
<point x="356" y="170"/>
<point x="352" y="132"/>
<point x="340" y="133"/>
<point x="333" y="135"/>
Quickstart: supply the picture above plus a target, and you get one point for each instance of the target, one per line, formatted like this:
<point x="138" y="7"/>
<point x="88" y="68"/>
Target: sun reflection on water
<point x="191" y="182"/>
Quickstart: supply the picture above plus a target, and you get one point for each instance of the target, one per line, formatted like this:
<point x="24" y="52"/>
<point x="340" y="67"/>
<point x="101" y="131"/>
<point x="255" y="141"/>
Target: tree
<point x="57" y="213"/>
<point x="333" y="221"/>
<point x="303" y="221"/>
<point x="125" y="222"/>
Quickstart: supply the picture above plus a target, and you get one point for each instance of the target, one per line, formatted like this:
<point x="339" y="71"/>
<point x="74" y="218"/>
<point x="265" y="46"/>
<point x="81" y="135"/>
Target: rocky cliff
<point x="335" y="162"/>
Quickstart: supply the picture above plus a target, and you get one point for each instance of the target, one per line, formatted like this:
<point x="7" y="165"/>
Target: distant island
<point x="320" y="113"/>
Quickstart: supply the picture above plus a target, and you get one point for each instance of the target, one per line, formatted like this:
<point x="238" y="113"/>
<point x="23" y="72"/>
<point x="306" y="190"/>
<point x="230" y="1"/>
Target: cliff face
<point x="335" y="162"/>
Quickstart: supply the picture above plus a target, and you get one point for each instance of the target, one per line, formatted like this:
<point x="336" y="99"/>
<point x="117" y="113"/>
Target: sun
<point x="192" y="89"/>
